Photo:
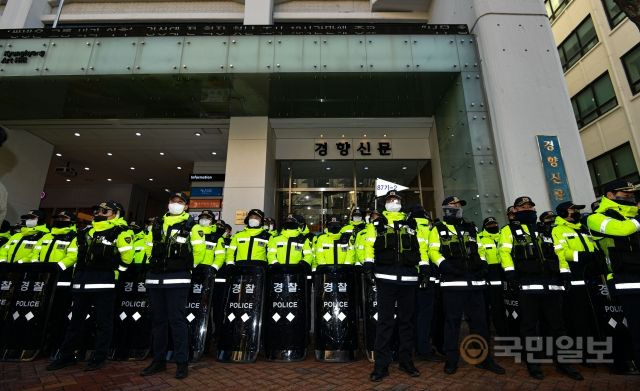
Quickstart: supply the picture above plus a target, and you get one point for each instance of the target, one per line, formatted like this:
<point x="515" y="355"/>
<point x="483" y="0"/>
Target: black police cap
<point x="65" y="213"/>
<point x="620" y="185"/>
<point x="562" y="208"/>
<point x="207" y="213"/>
<point x="37" y="213"/>
<point x="453" y="200"/>
<point x="180" y="195"/>
<point x="489" y="221"/>
<point x="523" y="200"/>
<point x="392" y="194"/>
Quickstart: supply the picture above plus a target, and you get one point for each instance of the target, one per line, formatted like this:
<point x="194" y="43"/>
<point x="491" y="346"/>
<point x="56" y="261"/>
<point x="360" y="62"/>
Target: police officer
<point x="103" y="251"/>
<point x="61" y="244"/>
<point x="139" y="243"/>
<point x="212" y="235"/>
<point x="617" y="221"/>
<point x="453" y="248"/>
<point x="177" y="246"/>
<point x="488" y="251"/>
<point x="270" y="226"/>
<point x="5" y="232"/>
<point x="586" y="263"/>
<point x="528" y="256"/>
<point x="21" y="247"/>
<point x="333" y="247"/>
<point x="291" y="246"/>
<point x="393" y="256"/>
<point x="250" y="244"/>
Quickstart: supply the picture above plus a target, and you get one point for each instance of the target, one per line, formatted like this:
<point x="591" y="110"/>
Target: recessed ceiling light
<point x="385" y="135"/>
<point x="109" y="154"/>
<point x="150" y="179"/>
<point x="365" y="135"/>
<point x="138" y="134"/>
<point x="328" y="168"/>
<point x="366" y="168"/>
<point x="214" y="153"/>
<point x="161" y="153"/>
<point x="179" y="168"/>
<point x="86" y="168"/>
<point x="109" y="179"/>
<point x="404" y="168"/>
<point x="167" y="190"/>
<point x="322" y="136"/>
<point x="58" y="154"/>
<point x="343" y="136"/>
<point x="68" y="180"/>
<point x="77" y="134"/>
<point x="132" y="168"/>
<point x="198" y="134"/>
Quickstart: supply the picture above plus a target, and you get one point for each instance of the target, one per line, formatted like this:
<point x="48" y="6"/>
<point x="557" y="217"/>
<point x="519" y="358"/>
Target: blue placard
<point x="206" y="191"/>
<point x="554" y="172"/>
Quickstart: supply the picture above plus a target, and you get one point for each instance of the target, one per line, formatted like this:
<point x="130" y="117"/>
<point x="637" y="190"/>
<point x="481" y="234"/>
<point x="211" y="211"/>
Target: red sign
<point x="206" y="204"/>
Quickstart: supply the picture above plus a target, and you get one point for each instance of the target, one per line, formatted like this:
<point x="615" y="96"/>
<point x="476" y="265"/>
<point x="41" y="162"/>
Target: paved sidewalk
<point x="307" y="375"/>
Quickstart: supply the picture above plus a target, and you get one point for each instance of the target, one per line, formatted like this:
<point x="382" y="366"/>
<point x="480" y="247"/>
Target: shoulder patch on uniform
<point x="201" y="233"/>
<point x="128" y="240"/>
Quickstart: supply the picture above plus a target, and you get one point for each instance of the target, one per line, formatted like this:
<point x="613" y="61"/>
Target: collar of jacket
<point x="140" y="235"/>
<point x="625" y="210"/>
<point x="356" y="223"/>
<point x="488" y="234"/>
<point x="393" y="216"/>
<point x="170" y="220"/>
<point x="422" y="221"/>
<point x="251" y="231"/>
<point x="207" y="230"/>
<point x="25" y="231"/>
<point x="562" y="222"/>
<point x="290" y="233"/>
<point x="305" y="230"/>
<point x="62" y="231"/>
<point x="333" y="236"/>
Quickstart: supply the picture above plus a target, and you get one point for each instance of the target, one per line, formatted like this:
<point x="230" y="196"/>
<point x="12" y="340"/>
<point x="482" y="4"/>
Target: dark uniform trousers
<point x="494" y="298"/>
<point x="388" y="295"/>
<point x="169" y="309"/>
<point x="540" y="310"/>
<point x="425" y="307"/>
<point x="455" y="303"/>
<point x="578" y="315"/>
<point x="103" y="301"/>
<point x="631" y="308"/>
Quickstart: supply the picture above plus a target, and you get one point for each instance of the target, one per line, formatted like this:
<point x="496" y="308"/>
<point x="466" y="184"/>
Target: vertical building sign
<point x="554" y="171"/>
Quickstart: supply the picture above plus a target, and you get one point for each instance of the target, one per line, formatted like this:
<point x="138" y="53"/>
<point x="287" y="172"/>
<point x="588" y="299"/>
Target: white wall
<point x="24" y="161"/>
<point x="85" y="196"/>
<point x="23" y="14"/>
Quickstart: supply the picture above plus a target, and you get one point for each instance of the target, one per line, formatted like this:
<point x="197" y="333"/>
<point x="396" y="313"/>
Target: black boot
<point x="409" y="369"/>
<point x="155" y="367"/>
<point x="569" y="371"/>
<point x="378" y="374"/>
<point x="95" y="363"/>
<point x="60" y="363"/>
<point x="183" y="370"/>
<point x="450" y="368"/>
<point x="535" y="371"/>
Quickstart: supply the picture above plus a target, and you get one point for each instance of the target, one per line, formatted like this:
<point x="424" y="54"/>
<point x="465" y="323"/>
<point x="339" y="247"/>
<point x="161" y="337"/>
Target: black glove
<point x="566" y="280"/>
<point x="423" y="276"/>
<point x="586" y="257"/>
<point x="304" y="267"/>
<point x="367" y="272"/>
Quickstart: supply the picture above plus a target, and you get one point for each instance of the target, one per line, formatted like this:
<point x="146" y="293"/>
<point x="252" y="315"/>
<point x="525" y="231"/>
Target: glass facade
<point x="554" y="7"/>
<point x="578" y="43"/>
<point x="614" y="13"/>
<point x="316" y="189"/>
<point x="594" y="100"/>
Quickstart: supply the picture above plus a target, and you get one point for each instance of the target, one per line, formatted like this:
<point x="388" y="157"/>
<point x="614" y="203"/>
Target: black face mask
<point x="99" y="218"/>
<point x="527" y="216"/>
<point x="290" y="225"/>
<point x="62" y="224"/>
<point x="494" y="229"/>
<point x="576" y="216"/>
<point x="628" y="201"/>
<point x="334" y="228"/>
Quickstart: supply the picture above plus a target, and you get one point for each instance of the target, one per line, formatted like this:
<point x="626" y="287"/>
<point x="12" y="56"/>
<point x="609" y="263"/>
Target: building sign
<point x="206" y="29"/>
<point x="206" y="191"/>
<point x="206" y="204"/>
<point x="346" y="148"/>
<point x="239" y="216"/>
<point x="554" y="171"/>
<point x="20" y="57"/>
<point x="206" y="177"/>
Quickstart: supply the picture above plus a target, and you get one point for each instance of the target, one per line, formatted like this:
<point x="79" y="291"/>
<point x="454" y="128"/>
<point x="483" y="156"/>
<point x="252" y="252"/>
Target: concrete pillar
<point x="258" y="12"/>
<point x="24" y="162"/>
<point x="250" y="180"/>
<point x="20" y="14"/>
<point x="526" y="93"/>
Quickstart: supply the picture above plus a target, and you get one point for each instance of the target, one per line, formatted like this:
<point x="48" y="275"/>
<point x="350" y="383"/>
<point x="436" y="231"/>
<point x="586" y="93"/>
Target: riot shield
<point x="132" y="322"/>
<point x="24" y="327"/>
<point x="241" y="326"/>
<point x="59" y="321"/>
<point x="217" y="303"/>
<point x="610" y="319"/>
<point x="285" y="334"/>
<point x="511" y="295"/>
<point x="370" y="315"/>
<point x="336" y="313"/>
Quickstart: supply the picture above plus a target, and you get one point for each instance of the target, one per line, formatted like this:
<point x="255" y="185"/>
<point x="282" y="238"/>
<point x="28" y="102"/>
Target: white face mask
<point x="357" y="218"/>
<point x="176" y="208"/>
<point x="367" y="219"/>
<point x="393" y="206"/>
<point x="254" y="223"/>
<point x="31" y="223"/>
<point x="204" y="222"/>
